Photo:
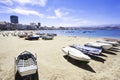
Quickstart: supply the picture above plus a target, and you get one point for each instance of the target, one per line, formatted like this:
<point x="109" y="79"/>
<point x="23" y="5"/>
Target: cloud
<point x="4" y="9"/>
<point x="21" y="10"/>
<point x="10" y="6"/>
<point x="51" y="17"/>
<point x="41" y="3"/>
<point x="27" y="12"/>
<point x="59" y="13"/>
<point x="6" y="2"/>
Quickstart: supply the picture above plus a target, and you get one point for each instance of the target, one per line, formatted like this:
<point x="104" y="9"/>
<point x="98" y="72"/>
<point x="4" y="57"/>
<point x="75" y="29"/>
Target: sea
<point x="86" y="33"/>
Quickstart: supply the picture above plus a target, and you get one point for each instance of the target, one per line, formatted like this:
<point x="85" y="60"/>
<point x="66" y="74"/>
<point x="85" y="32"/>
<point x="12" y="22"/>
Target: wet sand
<point x="52" y="62"/>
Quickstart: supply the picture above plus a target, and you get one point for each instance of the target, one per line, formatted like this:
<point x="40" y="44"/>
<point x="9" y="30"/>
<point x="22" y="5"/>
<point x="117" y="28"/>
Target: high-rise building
<point x="39" y="24"/>
<point x="14" y="19"/>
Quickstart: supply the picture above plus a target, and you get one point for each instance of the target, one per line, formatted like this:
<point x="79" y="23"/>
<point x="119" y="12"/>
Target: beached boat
<point x="22" y="35"/>
<point x="76" y="54"/>
<point x="51" y="34"/>
<point x="47" y="37"/>
<point x="104" y="46"/>
<point x="112" y="39"/>
<point x="40" y="34"/>
<point x="87" y="50"/>
<point x="32" y="37"/>
<point x="26" y="64"/>
<point x="114" y="43"/>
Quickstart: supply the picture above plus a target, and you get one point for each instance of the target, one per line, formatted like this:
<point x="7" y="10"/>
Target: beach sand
<point x="52" y="62"/>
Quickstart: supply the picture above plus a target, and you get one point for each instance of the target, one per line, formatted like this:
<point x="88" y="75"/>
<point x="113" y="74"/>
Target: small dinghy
<point x="46" y="37"/>
<point x="32" y="37"/>
<point x="26" y="64"/>
<point x="51" y="34"/>
<point x="114" y="43"/>
<point x="110" y="39"/>
<point x="76" y="54"/>
<point x="87" y="50"/>
<point x="22" y="35"/>
<point x="104" y="46"/>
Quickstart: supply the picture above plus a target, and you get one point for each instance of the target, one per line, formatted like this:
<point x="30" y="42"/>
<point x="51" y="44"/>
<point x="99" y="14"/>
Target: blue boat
<point x="87" y="50"/>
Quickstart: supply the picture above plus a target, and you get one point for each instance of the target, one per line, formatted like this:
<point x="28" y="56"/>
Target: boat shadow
<point x="30" y="77"/>
<point x="109" y="52"/>
<point x="115" y="49"/>
<point x="17" y="76"/>
<point x="80" y="64"/>
<point x="32" y="40"/>
<point x="99" y="59"/>
<point x="101" y="54"/>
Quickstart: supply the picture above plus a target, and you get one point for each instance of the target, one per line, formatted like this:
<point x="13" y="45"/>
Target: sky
<point x="66" y="13"/>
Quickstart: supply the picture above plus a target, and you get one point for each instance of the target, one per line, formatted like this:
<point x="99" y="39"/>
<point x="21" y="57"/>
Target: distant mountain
<point x="101" y="27"/>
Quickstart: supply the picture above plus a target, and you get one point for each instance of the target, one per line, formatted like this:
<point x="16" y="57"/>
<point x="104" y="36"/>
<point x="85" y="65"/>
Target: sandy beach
<point x="52" y="62"/>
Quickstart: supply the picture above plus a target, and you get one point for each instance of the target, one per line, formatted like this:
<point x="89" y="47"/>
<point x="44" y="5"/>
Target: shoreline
<point x="42" y="31"/>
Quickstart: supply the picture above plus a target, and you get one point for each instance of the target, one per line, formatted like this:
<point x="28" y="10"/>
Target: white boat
<point x="26" y="64"/>
<point x="22" y="35"/>
<point x="104" y="46"/>
<point x="114" y="43"/>
<point x="76" y="54"/>
<point x="112" y="39"/>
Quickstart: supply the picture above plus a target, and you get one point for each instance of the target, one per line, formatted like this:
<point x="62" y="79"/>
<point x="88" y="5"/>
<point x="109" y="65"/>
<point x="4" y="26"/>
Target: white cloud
<point x="27" y="12"/>
<point x="41" y="3"/>
<point x="21" y="10"/>
<point x="51" y="17"/>
<point x="7" y="2"/>
<point x="59" y="13"/>
<point x="5" y="10"/>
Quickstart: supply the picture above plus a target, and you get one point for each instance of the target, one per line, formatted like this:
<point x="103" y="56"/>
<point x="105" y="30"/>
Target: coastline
<point x="77" y="33"/>
<point x="52" y="64"/>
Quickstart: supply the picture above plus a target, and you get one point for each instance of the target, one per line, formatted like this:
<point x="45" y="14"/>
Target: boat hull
<point x="76" y="54"/>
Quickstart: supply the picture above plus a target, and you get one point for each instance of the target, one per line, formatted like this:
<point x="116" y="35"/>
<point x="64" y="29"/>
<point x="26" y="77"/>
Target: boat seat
<point x="26" y="63"/>
<point x="31" y="61"/>
<point x="20" y="63"/>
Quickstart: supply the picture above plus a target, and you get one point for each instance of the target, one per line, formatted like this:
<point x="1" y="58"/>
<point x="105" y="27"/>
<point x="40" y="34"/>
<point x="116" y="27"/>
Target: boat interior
<point x="25" y="60"/>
